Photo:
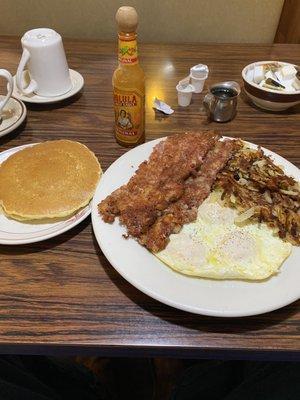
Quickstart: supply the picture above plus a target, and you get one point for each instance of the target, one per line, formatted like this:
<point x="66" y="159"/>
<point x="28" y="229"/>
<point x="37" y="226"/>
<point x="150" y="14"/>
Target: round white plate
<point x="13" y="115"/>
<point x="13" y="232"/>
<point x="201" y="296"/>
<point x="77" y="84"/>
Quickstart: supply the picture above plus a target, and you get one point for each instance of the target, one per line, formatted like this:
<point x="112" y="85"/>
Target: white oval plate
<point x="201" y="296"/>
<point x="14" y="232"/>
<point x="77" y="84"/>
<point x="13" y="115"/>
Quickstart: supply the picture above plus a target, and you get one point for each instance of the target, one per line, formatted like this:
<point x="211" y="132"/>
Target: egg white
<point x="215" y="247"/>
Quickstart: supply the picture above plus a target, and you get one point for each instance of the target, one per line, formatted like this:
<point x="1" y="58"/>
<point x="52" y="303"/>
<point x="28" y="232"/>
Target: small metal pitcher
<point x="221" y="101"/>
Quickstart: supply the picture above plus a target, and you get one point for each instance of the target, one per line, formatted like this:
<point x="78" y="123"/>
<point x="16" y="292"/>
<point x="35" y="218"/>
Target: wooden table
<point x="62" y="296"/>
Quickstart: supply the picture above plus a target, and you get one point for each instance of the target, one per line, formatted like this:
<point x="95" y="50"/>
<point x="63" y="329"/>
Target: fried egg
<point x="216" y="247"/>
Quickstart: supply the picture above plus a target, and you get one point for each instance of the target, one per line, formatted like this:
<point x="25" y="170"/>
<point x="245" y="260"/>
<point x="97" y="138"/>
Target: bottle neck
<point x="128" y="49"/>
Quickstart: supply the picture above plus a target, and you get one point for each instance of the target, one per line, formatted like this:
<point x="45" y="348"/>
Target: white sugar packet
<point x="162" y="106"/>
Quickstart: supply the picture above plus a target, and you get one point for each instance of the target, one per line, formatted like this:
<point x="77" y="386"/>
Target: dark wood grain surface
<point x="288" y="29"/>
<point x="62" y="295"/>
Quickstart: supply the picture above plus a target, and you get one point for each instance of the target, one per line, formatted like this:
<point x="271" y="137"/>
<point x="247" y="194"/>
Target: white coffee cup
<point x="10" y="85"/>
<point x="44" y="55"/>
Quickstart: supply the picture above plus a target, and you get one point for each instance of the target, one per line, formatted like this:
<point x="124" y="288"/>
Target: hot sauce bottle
<point x="128" y="83"/>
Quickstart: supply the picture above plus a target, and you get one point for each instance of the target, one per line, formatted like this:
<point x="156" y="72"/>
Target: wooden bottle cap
<point x="127" y="19"/>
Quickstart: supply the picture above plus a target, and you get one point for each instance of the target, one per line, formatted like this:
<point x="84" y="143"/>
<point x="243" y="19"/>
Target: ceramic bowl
<point x="269" y="99"/>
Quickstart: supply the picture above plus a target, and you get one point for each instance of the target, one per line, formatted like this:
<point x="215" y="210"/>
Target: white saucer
<point x="77" y="84"/>
<point x="13" y="115"/>
<point x="14" y="232"/>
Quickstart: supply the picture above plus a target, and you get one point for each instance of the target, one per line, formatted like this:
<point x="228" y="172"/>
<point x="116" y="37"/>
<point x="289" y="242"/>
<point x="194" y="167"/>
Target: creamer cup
<point x="198" y="84"/>
<point x="199" y="71"/>
<point x="184" y="93"/>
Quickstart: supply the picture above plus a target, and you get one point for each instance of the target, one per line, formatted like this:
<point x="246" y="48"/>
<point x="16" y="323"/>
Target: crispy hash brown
<point x="253" y="184"/>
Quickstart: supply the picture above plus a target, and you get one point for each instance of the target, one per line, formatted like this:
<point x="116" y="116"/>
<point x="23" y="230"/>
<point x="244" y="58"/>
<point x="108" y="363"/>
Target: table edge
<point x="149" y="351"/>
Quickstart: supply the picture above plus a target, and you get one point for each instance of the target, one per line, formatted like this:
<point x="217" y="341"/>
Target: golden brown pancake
<point x="49" y="180"/>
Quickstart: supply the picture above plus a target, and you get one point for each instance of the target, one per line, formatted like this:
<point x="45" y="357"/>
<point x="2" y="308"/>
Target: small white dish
<point x="14" y="232"/>
<point x="12" y="115"/>
<point x="265" y="98"/>
<point x="77" y="84"/>
<point x="228" y="298"/>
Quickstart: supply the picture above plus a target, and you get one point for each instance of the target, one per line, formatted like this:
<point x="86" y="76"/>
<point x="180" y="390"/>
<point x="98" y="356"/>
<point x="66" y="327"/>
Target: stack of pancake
<point x="53" y="179"/>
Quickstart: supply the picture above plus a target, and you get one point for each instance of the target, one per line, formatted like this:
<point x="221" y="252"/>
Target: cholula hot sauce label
<point x="129" y="115"/>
